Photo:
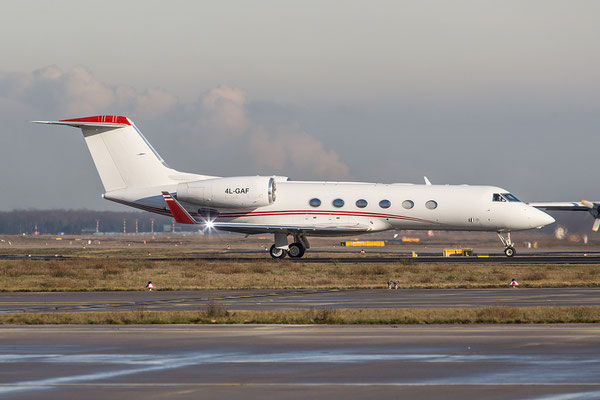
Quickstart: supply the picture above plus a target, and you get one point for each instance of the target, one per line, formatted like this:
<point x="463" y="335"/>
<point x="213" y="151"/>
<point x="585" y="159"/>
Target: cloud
<point x="78" y="92"/>
<point x="292" y="145"/>
<point x="225" y="109"/>
<point x="285" y="148"/>
<point x="218" y="123"/>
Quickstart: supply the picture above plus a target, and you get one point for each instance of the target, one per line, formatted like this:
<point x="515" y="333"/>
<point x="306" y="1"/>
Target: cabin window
<point x="510" y="197"/>
<point x="314" y="202"/>
<point x="362" y="203"/>
<point x="431" y="204"/>
<point x="338" y="203"/>
<point x="385" y="204"/>
<point x="408" y="204"/>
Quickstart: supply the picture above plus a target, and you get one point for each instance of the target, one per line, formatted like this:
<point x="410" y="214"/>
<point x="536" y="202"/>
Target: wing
<point x="314" y="229"/>
<point x="593" y="207"/>
<point x="182" y="216"/>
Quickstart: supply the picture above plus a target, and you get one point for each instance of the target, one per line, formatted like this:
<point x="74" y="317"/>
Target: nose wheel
<point x="509" y="249"/>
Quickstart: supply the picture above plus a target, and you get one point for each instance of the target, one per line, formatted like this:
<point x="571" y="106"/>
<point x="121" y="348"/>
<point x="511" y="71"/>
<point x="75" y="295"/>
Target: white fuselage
<point x="459" y="207"/>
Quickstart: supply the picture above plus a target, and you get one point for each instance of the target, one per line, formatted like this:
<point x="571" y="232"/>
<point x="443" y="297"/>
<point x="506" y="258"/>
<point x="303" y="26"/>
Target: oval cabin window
<point x="315" y="202"/>
<point x="431" y="204"/>
<point x="385" y="204"/>
<point x="408" y="204"/>
<point x="338" y="203"/>
<point x="361" y="203"/>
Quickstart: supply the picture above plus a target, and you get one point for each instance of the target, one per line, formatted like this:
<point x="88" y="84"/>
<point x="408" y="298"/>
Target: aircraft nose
<point x="540" y="219"/>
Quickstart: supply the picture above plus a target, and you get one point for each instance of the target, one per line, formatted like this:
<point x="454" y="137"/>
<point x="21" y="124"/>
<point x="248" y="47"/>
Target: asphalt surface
<point x="11" y="302"/>
<point x="559" y="258"/>
<point x="300" y="362"/>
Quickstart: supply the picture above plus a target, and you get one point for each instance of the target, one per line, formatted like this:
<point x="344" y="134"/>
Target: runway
<point x="300" y="362"/>
<point x="375" y="257"/>
<point x="15" y="302"/>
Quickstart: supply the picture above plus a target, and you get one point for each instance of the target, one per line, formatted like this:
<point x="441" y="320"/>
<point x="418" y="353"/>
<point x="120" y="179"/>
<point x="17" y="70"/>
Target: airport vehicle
<point x="134" y="174"/>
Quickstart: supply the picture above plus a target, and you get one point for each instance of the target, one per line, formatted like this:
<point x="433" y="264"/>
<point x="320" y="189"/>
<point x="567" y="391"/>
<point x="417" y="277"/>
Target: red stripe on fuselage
<point x="324" y="213"/>
<point x="284" y="213"/>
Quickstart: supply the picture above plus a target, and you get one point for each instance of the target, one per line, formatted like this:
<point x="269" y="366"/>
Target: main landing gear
<point x="509" y="249"/>
<point x="295" y="250"/>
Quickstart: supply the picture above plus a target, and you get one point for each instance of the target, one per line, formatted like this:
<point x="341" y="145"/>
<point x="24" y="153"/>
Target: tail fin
<point x="122" y="155"/>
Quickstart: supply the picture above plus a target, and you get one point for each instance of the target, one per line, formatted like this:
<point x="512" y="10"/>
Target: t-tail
<point x="122" y="155"/>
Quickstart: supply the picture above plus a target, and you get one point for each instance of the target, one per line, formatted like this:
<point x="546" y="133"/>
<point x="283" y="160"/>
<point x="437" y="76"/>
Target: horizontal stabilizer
<point x="100" y="121"/>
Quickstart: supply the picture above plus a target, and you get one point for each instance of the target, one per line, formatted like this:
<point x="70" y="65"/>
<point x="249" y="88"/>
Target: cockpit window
<point x="504" y="197"/>
<point x="510" y="197"/>
<point x="498" y="197"/>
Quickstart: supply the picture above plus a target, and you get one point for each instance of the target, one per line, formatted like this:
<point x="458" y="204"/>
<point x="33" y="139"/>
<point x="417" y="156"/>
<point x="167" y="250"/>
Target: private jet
<point x="134" y="174"/>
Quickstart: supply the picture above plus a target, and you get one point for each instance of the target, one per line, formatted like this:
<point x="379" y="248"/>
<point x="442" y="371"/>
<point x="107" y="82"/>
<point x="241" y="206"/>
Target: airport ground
<point x="300" y="362"/>
<point x="194" y="262"/>
<point x="453" y="330"/>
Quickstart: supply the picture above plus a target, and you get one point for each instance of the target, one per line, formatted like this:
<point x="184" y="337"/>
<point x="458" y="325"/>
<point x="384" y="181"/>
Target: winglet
<point x="179" y="213"/>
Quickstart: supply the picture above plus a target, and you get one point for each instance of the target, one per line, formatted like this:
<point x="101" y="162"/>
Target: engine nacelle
<point x="234" y="192"/>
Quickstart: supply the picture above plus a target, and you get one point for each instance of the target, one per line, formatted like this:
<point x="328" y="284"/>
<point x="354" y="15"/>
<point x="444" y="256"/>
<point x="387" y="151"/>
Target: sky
<point x="503" y="93"/>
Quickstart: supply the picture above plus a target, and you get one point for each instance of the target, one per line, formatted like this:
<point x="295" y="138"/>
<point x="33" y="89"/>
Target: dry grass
<point x="216" y="314"/>
<point x="87" y="274"/>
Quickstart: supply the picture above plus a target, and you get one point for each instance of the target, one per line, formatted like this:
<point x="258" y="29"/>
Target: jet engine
<point x="234" y="192"/>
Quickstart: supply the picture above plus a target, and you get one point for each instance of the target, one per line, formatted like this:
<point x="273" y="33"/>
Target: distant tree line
<point x="75" y="222"/>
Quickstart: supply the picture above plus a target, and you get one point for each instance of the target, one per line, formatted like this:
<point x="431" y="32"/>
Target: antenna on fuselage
<point x="427" y="182"/>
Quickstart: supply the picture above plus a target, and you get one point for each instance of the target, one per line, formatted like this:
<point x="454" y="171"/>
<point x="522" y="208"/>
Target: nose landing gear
<point x="509" y="249"/>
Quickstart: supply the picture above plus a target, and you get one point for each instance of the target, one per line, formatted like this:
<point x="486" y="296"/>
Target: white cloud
<point x="219" y="123"/>
<point x="292" y="145"/>
<point x="225" y="110"/>
<point x="77" y="92"/>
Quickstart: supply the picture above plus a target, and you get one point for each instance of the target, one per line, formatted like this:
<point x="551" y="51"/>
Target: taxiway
<point x="299" y="362"/>
<point x="15" y="302"/>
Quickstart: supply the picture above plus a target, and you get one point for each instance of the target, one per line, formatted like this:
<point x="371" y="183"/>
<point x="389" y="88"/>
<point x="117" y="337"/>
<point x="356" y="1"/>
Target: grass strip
<point x="215" y="314"/>
<point x="101" y="274"/>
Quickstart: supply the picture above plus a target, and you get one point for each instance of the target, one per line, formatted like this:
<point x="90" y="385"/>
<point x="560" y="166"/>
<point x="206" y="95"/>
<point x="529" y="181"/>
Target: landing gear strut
<point x="509" y="249"/>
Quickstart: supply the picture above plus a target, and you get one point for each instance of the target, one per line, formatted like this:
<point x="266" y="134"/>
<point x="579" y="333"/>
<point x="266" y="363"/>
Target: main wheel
<point x="296" y="250"/>
<point x="277" y="252"/>
<point x="509" y="251"/>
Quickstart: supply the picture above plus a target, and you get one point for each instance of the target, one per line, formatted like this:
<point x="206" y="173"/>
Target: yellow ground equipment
<point x="374" y="243"/>
<point x="458" y="252"/>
